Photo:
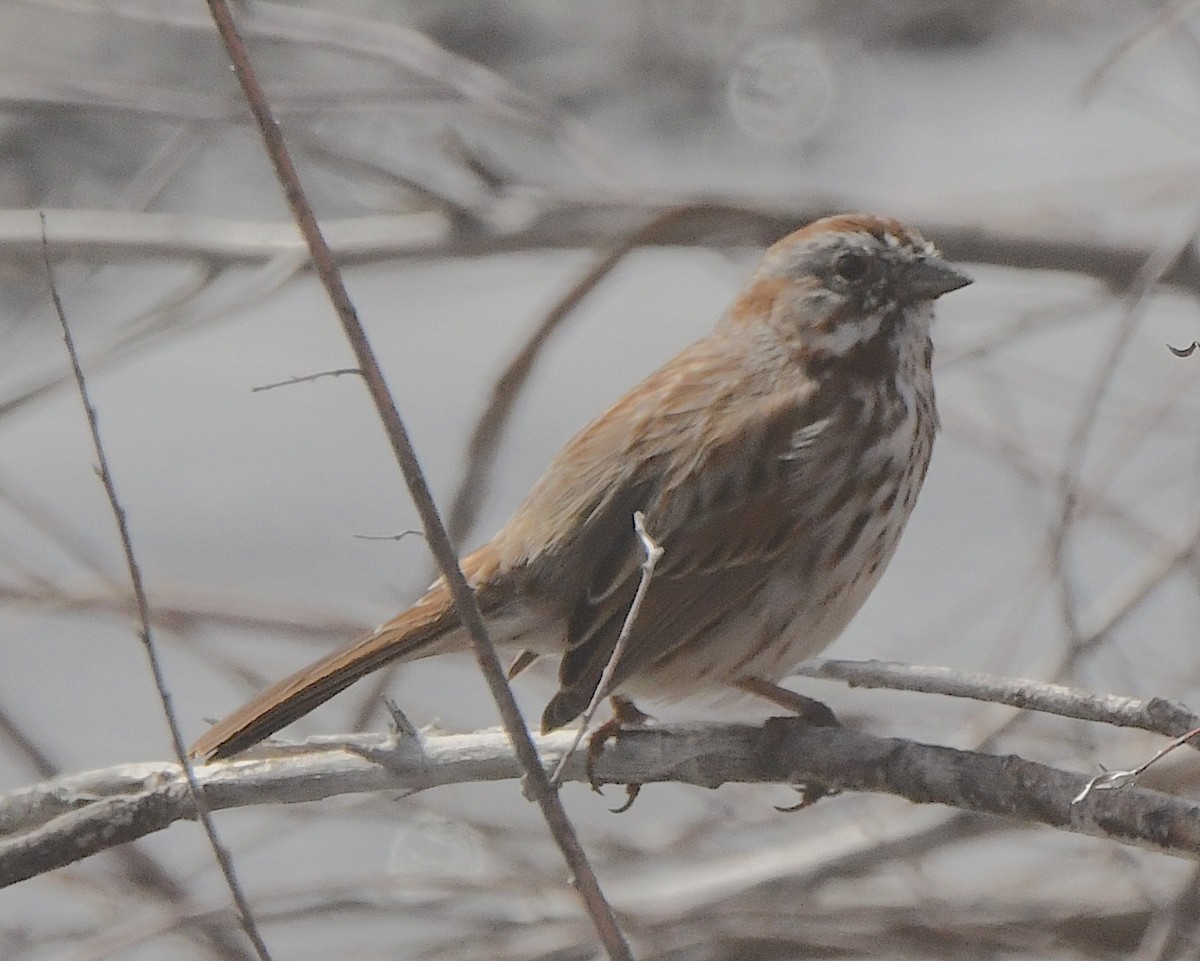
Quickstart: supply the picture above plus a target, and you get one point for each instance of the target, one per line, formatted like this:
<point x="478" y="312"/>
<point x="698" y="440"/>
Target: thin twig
<point x="1161" y="259"/>
<point x="306" y="378"/>
<point x="410" y="532"/>
<point x="403" y="49"/>
<point x="139" y="868"/>
<point x="536" y="779"/>
<point x="185" y="615"/>
<point x="653" y="554"/>
<point x="1111" y="780"/>
<point x="204" y="815"/>
<point x="1133" y="595"/>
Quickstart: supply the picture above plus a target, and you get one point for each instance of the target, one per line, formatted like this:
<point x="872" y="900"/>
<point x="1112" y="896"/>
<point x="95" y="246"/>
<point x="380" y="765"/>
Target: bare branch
<point x="306" y="378"/>
<point x="203" y="814"/>
<point x="183" y="615"/>
<point x="1156" y="715"/>
<point x="139" y="868"/>
<point x="1168" y="16"/>
<point x="409" y="532"/>
<point x="397" y="45"/>
<point x="536" y="780"/>
<point x="67" y="819"/>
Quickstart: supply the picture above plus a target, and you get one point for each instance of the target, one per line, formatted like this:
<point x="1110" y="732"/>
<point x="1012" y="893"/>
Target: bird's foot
<point x="626" y="715"/>
<point x="807" y="711"/>
<point x="810" y="794"/>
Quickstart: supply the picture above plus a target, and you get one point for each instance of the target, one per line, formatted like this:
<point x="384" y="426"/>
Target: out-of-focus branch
<point x="419" y="60"/>
<point x="553" y="222"/>
<point x="491" y="426"/>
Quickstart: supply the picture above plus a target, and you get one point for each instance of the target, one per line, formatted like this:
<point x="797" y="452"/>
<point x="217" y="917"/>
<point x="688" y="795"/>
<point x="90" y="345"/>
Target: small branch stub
<point x="1111" y="780"/>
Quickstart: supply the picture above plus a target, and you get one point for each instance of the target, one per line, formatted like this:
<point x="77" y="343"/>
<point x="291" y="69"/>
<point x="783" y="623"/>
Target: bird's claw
<point x="626" y="715"/>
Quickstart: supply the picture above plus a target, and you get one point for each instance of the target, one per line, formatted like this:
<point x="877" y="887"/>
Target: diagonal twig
<point x="203" y="813"/>
<point x="489" y="430"/>
<point x="536" y="779"/>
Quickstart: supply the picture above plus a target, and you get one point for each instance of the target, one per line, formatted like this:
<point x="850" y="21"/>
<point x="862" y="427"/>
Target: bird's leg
<point x="626" y="715"/>
<point x="808" y="710"/>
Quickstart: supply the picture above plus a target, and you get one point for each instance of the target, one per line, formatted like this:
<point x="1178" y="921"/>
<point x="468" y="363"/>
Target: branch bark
<point x="64" y="820"/>
<point x="1156" y="715"/>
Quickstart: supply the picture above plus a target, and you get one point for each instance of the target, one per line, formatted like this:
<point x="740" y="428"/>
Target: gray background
<point x="1071" y="119"/>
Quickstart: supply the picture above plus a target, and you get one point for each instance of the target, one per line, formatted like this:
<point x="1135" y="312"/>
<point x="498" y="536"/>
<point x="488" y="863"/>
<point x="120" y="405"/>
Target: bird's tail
<point x="426" y="628"/>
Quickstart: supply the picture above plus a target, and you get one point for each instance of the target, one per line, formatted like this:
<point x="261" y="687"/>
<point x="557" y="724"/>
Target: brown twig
<point x="410" y="532"/>
<point x="1168" y="16"/>
<point x="203" y="813"/>
<point x="1162" y="259"/>
<point x="536" y="778"/>
<point x="490" y="428"/>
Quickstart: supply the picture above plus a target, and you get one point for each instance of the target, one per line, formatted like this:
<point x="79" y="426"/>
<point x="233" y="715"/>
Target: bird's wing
<point x="721" y="502"/>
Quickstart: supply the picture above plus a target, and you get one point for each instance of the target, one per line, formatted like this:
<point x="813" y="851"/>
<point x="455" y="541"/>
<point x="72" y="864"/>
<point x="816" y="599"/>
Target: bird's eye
<point x="851" y="266"/>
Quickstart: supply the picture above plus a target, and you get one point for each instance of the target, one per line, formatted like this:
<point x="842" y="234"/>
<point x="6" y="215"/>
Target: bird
<point x="775" y="461"/>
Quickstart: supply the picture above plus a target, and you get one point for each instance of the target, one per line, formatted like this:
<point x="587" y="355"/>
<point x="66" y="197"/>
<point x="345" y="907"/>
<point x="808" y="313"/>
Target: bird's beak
<point x="929" y="279"/>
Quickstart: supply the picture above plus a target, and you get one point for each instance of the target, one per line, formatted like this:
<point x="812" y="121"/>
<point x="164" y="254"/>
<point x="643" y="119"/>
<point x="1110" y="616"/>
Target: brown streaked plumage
<point x="776" y="462"/>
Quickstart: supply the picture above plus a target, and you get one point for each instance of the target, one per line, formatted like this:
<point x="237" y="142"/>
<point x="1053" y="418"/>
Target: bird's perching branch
<point x="58" y="822"/>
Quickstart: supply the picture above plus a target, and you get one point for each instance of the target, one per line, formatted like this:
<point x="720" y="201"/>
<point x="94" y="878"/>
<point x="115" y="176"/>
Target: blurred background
<point x="473" y="159"/>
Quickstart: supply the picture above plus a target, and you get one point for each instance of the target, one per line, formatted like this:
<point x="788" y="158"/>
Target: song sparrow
<point x="776" y="462"/>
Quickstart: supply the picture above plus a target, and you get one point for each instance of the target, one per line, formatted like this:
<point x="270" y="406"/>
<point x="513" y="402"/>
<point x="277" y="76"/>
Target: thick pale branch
<point x="65" y="820"/>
